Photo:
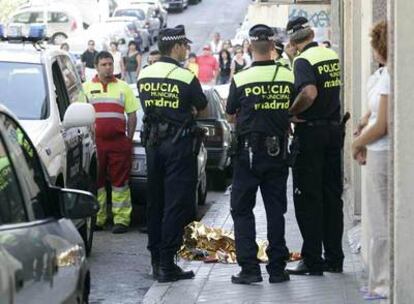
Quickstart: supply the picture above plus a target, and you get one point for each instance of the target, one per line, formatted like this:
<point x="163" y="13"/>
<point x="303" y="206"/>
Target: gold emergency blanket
<point x="204" y="243"/>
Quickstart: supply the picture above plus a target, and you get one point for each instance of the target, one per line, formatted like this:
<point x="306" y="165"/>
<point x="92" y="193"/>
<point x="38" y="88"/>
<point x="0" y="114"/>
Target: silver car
<point x="42" y="255"/>
<point x="62" y="21"/>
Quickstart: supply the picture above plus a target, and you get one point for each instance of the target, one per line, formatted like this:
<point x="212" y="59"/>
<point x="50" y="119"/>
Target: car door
<point x="6" y="278"/>
<point x="72" y="137"/>
<point x="36" y="243"/>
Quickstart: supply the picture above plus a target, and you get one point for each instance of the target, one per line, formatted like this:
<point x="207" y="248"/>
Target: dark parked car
<point x="42" y="255"/>
<point x="139" y="168"/>
<point x="218" y="136"/>
<point x="179" y="5"/>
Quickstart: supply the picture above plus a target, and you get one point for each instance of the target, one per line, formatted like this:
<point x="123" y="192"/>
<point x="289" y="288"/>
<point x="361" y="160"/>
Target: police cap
<point x="261" y="32"/>
<point x="297" y="24"/>
<point x="279" y="47"/>
<point x="175" y="34"/>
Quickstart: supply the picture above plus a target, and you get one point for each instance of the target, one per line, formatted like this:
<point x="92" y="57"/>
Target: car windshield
<point x="136" y="12"/>
<point x="213" y="109"/>
<point x="23" y="90"/>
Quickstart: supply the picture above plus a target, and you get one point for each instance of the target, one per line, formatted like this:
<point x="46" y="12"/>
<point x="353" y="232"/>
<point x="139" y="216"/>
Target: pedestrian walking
<point x="88" y="61"/>
<point x="207" y="67"/>
<point x="133" y="60"/>
<point x="372" y="143"/>
<point x="224" y="66"/>
<point x="168" y="93"/>
<point x="260" y="97"/>
<point x="318" y="138"/>
<point x="112" y="98"/>
<point x="118" y="60"/>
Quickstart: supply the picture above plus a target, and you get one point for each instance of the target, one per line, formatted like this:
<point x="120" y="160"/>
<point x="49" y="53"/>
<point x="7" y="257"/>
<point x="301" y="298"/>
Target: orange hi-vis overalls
<point x="111" y="101"/>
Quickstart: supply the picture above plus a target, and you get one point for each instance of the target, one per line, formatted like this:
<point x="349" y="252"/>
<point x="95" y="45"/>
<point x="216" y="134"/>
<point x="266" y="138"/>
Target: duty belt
<point x="273" y="145"/>
<point x="319" y="123"/>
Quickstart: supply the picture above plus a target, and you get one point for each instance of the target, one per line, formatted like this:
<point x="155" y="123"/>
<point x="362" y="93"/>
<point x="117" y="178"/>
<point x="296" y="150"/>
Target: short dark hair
<point x="102" y="55"/>
<point x="91" y="41"/>
<point x="262" y="47"/>
<point x="114" y="43"/>
<point x="154" y="53"/>
<point x="132" y="42"/>
<point x="192" y="55"/>
<point x="166" y="47"/>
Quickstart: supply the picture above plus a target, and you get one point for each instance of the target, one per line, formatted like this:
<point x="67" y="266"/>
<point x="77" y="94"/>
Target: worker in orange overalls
<point x="112" y="98"/>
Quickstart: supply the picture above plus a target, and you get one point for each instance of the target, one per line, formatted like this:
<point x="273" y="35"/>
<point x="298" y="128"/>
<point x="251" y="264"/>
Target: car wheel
<point x="86" y="232"/>
<point x="89" y="227"/>
<point x="58" y="38"/>
<point x="86" y="289"/>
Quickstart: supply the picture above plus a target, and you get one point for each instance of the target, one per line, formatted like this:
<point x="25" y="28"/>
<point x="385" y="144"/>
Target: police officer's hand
<point x="194" y="112"/>
<point x="291" y="51"/>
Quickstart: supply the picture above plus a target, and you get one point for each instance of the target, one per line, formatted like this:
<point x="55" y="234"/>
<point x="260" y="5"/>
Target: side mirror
<point x="77" y="204"/>
<point x="79" y="115"/>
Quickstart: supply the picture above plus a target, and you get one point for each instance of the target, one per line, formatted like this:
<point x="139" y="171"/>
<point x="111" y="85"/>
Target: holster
<point x="294" y="149"/>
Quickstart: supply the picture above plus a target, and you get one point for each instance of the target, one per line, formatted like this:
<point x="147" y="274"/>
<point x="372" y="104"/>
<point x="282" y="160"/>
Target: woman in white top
<point x="118" y="61"/>
<point x="371" y="147"/>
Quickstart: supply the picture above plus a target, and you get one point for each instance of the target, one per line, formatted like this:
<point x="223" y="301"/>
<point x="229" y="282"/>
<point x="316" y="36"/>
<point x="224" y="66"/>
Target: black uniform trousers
<point x="270" y="173"/>
<point x="171" y="197"/>
<point x="317" y="191"/>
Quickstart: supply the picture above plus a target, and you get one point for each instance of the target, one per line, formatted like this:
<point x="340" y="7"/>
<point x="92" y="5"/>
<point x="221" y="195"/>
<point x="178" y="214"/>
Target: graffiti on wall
<point x="318" y="17"/>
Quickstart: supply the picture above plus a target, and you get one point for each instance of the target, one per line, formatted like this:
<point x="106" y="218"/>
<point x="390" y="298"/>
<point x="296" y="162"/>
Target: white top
<point x="378" y="84"/>
<point x="117" y="62"/>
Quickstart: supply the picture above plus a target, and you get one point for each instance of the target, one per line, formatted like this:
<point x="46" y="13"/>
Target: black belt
<point x="319" y="123"/>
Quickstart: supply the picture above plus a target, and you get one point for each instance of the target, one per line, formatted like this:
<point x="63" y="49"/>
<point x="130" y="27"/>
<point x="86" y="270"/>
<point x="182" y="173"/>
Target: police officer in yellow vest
<point x="169" y="94"/>
<point x="317" y="179"/>
<point x="260" y="97"/>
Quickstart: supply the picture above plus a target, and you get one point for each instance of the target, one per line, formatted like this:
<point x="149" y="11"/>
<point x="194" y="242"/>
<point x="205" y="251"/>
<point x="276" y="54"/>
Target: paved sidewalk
<point x="212" y="281"/>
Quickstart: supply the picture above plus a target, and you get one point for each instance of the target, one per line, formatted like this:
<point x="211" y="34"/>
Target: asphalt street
<point x="120" y="263"/>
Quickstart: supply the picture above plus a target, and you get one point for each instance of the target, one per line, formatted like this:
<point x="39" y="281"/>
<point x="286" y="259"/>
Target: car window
<point x="62" y="97"/>
<point x="71" y="80"/>
<point x="28" y="102"/>
<point x="12" y="209"/>
<point x="33" y="175"/>
<point x="37" y="17"/>
<point x="59" y="17"/>
<point x="137" y="13"/>
<point x="21" y="18"/>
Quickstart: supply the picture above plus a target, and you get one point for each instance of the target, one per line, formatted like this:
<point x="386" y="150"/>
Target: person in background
<point x="88" y="61"/>
<point x="291" y="52"/>
<point x="65" y="47"/>
<point x="118" y="61"/>
<point x="247" y="52"/>
<point x="216" y="45"/>
<point x="153" y="57"/>
<point x="227" y="45"/>
<point x="207" y="67"/>
<point x="133" y="60"/>
<point x="326" y="44"/>
<point x="239" y="62"/>
<point x="225" y="67"/>
<point x="372" y="147"/>
<point x="192" y="64"/>
<point x="279" y="49"/>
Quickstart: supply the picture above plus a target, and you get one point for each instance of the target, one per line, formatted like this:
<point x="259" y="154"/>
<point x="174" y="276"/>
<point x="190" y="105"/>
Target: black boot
<point x="280" y="277"/>
<point x="333" y="267"/>
<point x="303" y="269"/>
<point x="245" y="277"/>
<point x="172" y="273"/>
